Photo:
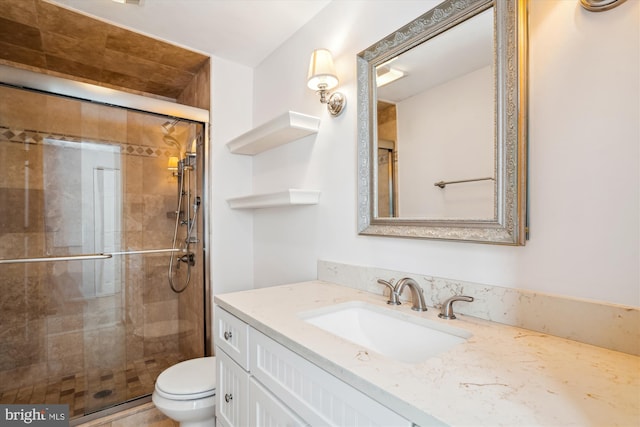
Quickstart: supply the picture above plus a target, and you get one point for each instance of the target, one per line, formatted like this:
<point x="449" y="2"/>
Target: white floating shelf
<point x="290" y="197"/>
<point x="279" y="131"/>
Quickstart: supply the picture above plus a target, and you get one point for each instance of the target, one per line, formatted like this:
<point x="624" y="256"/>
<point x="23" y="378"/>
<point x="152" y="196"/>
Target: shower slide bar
<point x="443" y="184"/>
<point x="84" y="257"/>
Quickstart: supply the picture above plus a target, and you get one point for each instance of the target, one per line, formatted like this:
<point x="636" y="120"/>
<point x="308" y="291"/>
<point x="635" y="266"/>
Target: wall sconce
<point x="172" y="165"/>
<point x="600" y="5"/>
<point x="322" y="78"/>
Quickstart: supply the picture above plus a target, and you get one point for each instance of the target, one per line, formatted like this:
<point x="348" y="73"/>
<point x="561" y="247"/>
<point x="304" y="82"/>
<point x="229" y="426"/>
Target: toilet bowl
<point x="186" y="392"/>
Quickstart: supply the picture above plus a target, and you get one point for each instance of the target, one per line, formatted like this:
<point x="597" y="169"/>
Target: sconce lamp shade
<point x="172" y="165"/>
<point x="322" y="73"/>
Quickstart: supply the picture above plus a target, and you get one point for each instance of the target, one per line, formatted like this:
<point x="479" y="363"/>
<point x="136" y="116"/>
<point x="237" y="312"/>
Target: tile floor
<point x="145" y="415"/>
<point x="87" y="392"/>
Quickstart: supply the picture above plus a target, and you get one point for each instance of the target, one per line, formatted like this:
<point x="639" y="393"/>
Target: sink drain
<point x="102" y="394"/>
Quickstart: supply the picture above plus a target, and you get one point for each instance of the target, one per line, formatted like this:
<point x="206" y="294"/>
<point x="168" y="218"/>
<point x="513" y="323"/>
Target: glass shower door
<point x="87" y="214"/>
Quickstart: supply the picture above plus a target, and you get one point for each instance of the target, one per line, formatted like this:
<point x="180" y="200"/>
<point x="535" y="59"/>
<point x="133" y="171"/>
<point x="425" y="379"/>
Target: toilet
<point x="186" y="392"/>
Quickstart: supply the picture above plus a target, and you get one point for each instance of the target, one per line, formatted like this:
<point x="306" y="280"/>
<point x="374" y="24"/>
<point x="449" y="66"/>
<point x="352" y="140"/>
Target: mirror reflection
<point x="442" y="126"/>
<point x="435" y="123"/>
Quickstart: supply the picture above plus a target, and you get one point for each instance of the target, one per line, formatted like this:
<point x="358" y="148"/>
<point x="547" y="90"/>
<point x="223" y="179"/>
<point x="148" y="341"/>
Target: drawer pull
<point x="228" y="397"/>
<point x="227" y="336"/>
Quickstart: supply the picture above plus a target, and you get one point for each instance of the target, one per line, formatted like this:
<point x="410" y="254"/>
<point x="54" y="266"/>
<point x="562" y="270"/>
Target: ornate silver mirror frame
<point x="509" y="226"/>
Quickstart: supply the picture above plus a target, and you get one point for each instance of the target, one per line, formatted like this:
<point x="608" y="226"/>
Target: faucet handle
<point x="446" y="311"/>
<point x="393" y="295"/>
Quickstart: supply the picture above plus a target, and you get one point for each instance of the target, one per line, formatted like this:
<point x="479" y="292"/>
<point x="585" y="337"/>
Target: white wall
<point x="584" y="159"/>
<point x="433" y="147"/>
<point x="231" y="236"/>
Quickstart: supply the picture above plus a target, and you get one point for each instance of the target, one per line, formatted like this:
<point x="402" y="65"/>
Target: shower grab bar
<point x="84" y="257"/>
<point x="443" y="184"/>
<point x="56" y="258"/>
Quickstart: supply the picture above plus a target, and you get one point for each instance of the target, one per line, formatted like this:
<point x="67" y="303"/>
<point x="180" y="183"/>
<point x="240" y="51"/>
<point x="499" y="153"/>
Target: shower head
<point x="169" y="127"/>
<point x="170" y="140"/>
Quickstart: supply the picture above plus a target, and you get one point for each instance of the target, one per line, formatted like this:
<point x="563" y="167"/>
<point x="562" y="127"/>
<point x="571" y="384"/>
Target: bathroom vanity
<point x="279" y="362"/>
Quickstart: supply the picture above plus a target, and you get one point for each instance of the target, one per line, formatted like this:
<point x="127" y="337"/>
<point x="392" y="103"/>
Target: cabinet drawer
<point x="317" y="396"/>
<point x="265" y="410"/>
<point x="232" y="392"/>
<point x="232" y="335"/>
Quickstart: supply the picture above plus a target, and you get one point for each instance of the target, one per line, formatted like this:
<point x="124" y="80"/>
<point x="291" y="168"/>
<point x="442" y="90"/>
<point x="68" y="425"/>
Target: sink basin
<point x="396" y="335"/>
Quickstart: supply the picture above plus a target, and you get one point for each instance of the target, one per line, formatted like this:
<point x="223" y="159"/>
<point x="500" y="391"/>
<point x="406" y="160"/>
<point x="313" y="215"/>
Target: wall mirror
<point x="442" y="126"/>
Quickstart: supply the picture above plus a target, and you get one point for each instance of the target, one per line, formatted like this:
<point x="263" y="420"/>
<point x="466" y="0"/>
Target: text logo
<point x="34" y="415"/>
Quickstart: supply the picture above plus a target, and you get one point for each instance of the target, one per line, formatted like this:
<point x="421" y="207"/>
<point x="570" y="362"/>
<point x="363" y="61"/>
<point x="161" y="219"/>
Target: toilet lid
<point x="191" y="379"/>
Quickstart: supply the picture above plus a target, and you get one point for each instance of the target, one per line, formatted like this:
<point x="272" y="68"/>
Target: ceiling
<point x="242" y="31"/>
<point x="456" y="52"/>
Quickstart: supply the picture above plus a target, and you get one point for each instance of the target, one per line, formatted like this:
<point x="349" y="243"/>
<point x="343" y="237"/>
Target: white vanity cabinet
<point x="253" y="386"/>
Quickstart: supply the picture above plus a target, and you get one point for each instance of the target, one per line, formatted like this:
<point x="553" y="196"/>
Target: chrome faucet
<point x="446" y="311"/>
<point x="417" y="295"/>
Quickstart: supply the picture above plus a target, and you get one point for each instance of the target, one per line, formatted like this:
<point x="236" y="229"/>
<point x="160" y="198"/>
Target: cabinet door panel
<point x="232" y="392"/>
<point x="265" y="410"/>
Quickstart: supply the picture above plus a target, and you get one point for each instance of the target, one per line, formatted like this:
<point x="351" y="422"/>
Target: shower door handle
<point x="85" y="257"/>
<point x="56" y="258"/>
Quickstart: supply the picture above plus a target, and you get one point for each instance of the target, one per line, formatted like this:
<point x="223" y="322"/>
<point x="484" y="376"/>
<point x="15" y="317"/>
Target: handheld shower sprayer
<point x="168" y="128"/>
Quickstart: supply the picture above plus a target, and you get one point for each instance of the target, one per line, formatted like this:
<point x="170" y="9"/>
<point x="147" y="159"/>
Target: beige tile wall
<point x="39" y="35"/>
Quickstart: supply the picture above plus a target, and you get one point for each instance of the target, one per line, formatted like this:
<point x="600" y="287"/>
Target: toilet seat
<point x="188" y="380"/>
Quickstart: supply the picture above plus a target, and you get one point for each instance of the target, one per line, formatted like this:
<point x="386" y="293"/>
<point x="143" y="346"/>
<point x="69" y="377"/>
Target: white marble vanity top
<point x="502" y="375"/>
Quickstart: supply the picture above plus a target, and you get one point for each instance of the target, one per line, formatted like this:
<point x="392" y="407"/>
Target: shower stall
<point x="102" y="272"/>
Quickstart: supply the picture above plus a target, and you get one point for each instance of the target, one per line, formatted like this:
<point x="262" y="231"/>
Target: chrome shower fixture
<point x="186" y="213"/>
<point x="170" y="126"/>
<point x="194" y="147"/>
<point x="188" y="162"/>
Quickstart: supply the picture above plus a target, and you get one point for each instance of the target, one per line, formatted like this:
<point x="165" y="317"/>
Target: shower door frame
<point x="47" y="84"/>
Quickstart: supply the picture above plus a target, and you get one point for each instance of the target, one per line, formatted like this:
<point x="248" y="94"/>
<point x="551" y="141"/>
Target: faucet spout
<point x="417" y="295"/>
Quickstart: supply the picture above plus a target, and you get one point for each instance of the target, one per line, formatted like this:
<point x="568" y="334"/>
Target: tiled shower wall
<point x="48" y="325"/>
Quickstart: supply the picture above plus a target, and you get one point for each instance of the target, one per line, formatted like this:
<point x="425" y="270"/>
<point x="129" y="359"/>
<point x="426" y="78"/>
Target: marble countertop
<point x="502" y="375"/>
